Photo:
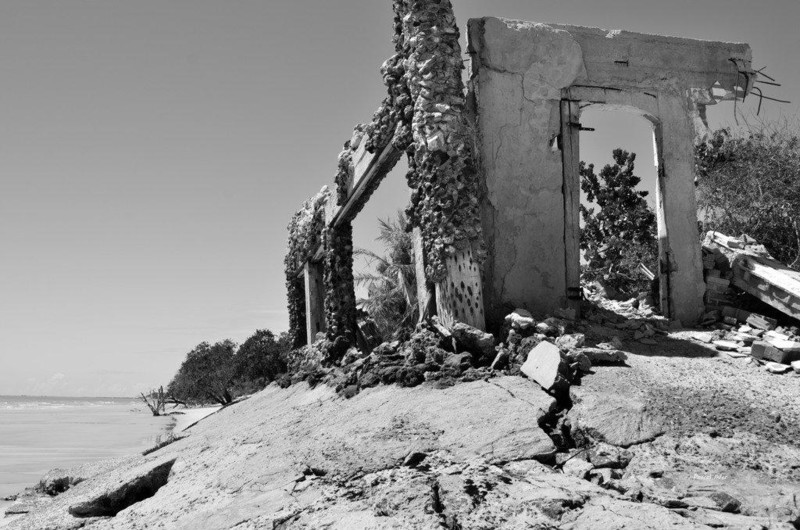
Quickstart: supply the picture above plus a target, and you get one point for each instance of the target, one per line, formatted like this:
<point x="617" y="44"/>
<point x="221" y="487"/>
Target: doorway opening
<point x="619" y="221"/>
<point x="383" y="261"/>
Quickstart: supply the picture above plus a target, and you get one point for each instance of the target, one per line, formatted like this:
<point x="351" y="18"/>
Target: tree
<point x="392" y="290"/>
<point x="260" y="360"/>
<point x="206" y="374"/>
<point x="749" y="183"/>
<point x="622" y="233"/>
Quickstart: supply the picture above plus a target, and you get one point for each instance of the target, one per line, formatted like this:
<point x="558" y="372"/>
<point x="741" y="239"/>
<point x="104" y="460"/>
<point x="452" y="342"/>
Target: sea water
<point x="41" y="433"/>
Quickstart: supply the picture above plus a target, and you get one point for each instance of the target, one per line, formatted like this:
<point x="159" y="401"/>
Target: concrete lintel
<point x="610" y="58"/>
<point x="368" y="168"/>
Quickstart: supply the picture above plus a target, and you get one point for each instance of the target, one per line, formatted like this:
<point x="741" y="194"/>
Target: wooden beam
<point x="315" y="300"/>
<point x="368" y="169"/>
<point x="570" y="157"/>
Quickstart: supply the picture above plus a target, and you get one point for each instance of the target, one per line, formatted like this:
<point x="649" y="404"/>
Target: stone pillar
<point x="677" y="209"/>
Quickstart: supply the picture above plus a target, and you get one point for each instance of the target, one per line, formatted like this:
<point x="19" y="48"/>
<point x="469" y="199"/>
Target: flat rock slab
<point x="616" y="417"/>
<point x="249" y="457"/>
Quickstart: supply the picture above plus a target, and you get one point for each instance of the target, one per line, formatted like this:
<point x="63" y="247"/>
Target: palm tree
<point x="392" y="289"/>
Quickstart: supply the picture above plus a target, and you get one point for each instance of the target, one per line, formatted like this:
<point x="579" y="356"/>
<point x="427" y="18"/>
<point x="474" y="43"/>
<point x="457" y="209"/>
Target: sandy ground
<point x="187" y="417"/>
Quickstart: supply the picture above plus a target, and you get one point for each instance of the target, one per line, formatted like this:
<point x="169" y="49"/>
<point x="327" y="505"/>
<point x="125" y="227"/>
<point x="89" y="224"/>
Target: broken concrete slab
<point x="602" y="356"/>
<point x="545" y="366"/>
<point x="768" y="352"/>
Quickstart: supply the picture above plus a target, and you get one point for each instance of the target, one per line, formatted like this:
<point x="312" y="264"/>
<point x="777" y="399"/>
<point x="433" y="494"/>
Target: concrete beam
<point x="369" y="170"/>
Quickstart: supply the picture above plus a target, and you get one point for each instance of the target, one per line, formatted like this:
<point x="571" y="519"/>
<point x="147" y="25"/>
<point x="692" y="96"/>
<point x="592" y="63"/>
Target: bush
<point x="622" y="233"/>
<point x="260" y="360"/>
<point x="206" y="374"/>
<point x="749" y="183"/>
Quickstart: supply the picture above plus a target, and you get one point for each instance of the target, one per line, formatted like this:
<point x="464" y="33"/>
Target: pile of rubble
<point x="741" y="333"/>
<point x="744" y="334"/>
<point x="552" y="351"/>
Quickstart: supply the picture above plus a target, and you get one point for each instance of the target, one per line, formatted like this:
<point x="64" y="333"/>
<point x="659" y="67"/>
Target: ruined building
<point x="493" y="169"/>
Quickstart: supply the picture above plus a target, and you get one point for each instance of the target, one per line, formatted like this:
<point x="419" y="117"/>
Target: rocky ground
<point x="660" y="431"/>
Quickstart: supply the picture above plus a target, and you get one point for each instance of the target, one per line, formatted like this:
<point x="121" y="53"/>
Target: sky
<point x="152" y="154"/>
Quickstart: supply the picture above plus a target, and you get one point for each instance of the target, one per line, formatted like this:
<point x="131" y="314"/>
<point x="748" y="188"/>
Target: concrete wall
<point x="520" y="73"/>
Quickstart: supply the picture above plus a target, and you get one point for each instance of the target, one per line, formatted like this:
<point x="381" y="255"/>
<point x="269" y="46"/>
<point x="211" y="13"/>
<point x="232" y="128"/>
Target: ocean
<point x="41" y="433"/>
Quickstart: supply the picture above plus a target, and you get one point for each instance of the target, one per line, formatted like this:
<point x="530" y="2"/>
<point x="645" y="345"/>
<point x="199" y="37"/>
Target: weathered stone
<point x="570" y="342"/>
<point x="520" y="319"/>
<point x="457" y="362"/>
<point x="577" y="467"/>
<point x="726" y="345"/>
<point x="613" y="417"/>
<point x="777" y="368"/>
<point x="603" y="356"/>
<point x="474" y="341"/>
<point x="605" y="455"/>
<point x="579" y="361"/>
<point x="545" y="366"/>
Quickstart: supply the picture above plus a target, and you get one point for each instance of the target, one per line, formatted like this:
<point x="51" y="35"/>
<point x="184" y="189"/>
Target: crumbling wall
<point x="521" y="72"/>
<point x="305" y="235"/>
<point x="422" y="116"/>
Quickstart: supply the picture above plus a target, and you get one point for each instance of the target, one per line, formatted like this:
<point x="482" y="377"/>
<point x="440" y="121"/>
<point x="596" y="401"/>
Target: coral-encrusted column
<point x="444" y="200"/>
<point x="340" y="295"/>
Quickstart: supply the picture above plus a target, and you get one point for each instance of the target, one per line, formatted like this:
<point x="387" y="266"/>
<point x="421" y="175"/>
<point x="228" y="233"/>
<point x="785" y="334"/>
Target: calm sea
<point x="41" y="433"/>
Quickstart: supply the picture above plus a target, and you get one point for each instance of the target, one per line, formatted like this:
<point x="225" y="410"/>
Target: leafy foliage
<point x="260" y="360"/>
<point x="392" y="290"/>
<point x="749" y="183"/>
<point x="206" y="374"/>
<point x="219" y="372"/>
<point x="622" y="233"/>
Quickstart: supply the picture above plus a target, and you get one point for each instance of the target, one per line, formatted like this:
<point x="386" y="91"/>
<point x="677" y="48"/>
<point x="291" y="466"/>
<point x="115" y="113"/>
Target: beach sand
<point x="188" y="417"/>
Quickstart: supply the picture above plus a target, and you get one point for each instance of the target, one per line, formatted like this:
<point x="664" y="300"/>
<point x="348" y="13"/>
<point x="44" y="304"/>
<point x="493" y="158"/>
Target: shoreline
<point x="179" y="421"/>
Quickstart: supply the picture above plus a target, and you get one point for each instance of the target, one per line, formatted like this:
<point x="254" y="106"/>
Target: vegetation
<point x="259" y="361"/>
<point x="749" y="183"/>
<point x="218" y="373"/>
<point x="622" y="233"/>
<point x="392" y="289"/>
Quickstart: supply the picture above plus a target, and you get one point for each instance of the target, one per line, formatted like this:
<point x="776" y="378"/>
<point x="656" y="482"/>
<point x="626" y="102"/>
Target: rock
<point x="617" y="418"/>
<point x="649" y="342"/>
<point x="777" y="368"/>
<point x="56" y="481"/>
<point x="545" y="366"/>
<point x="520" y="319"/>
<point x="717" y="500"/>
<point x="570" y="342"/>
<point x="456" y="363"/>
<point x="738" y="354"/>
<point x="608" y="456"/>
<point x="614" y="344"/>
<point x="579" y="361"/>
<point x="577" y="467"/>
<point x="474" y="341"/>
<point x="726" y="345"/>
<point x="602" y="356"/>
<point x="796" y="366"/>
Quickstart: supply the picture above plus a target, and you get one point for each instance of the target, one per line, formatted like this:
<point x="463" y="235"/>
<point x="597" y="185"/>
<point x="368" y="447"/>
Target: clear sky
<point x="152" y="153"/>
